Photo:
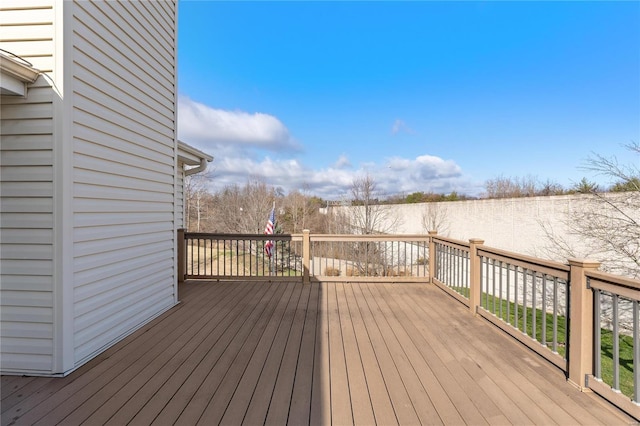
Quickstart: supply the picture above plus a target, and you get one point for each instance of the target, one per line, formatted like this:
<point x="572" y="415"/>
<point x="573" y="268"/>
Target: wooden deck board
<point x="413" y="374"/>
<point x="146" y="378"/>
<point x="452" y="404"/>
<point x="456" y="384"/>
<point x="156" y="393"/>
<point x="66" y="394"/>
<point x="361" y="408"/>
<point x="495" y="386"/>
<point x="341" y="353"/>
<point x="300" y="406"/>
<point x="282" y="390"/>
<point x="341" y="412"/>
<point x="320" y="408"/>
<point x="378" y="393"/>
<point x="193" y="375"/>
<point x="479" y="343"/>
<point x="246" y="338"/>
<point x="250" y="402"/>
<point x="399" y="395"/>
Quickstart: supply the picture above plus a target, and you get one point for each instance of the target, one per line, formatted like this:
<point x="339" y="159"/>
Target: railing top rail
<point x="549" y="267"/>
<point x="369" y="237"/>
<point x="229" y="236"/>
<point x="451" y="242"/>
<point x="599" y="279"/>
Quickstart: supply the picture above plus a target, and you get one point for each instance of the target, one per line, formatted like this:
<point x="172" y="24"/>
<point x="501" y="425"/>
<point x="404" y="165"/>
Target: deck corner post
<point x="182" y="256"/>
<point x="306" y="255"/>
<point x="580" y="351"/>
<point x="475" y="275"/>
<point x="432" y="255"/>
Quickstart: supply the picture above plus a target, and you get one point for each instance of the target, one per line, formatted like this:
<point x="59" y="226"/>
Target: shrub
<point x="351" y="272"/>
<point x="331" y="271"/>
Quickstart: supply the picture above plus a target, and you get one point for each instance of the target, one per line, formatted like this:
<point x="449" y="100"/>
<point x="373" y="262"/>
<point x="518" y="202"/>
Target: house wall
<point x="26" y="195"/>
<point x="124" y="159"/>
<point x="180" y="222"/>
<point x="88" y="179"/>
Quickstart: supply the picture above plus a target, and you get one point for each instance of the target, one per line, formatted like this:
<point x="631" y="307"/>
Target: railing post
<point x="580" y="356"/>
<point x="432" y="255"/>
<point x="306" y="255"/>
<point x="475" y="275"/>
<point x="182" y="256"/>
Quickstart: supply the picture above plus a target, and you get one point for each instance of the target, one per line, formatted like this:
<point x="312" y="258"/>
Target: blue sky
<point x="423" y="96"/>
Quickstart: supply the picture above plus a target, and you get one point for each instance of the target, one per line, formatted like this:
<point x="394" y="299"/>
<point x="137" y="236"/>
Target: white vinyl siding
<point x="124" y="156"/>
<point x="180" y="223"/>
<point x="26" y="28"/>
<point x="26" y="195"/>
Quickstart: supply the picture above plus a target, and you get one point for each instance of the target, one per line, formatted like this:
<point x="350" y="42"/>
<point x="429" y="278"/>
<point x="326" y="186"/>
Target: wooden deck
<point x="329" y="353"/>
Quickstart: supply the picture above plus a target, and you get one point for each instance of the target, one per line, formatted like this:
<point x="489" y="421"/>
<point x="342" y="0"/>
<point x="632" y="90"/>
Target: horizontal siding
<point x="107" y="279"/>
<point x="121" y="323"/>
<point x="120" y="219"/>
<point x="26" y="189"/>
<point x="17" y="268"/>
<point x="123" y="248"/>
<point x="180" y="223"/>
<point x="20" y="330"/>
<point x="26" y="283"/>
<point x="34" y="236"/>
<point x="124" y="165"/>
<point x="135" y="175"/>
<point x="25" y="363"/>
<point x="26" y="30"/>
<point x="19" y="251"/>
<point x="26" y="195"/>
<point x="95" y="24"/>
<point x="24" y="222"/>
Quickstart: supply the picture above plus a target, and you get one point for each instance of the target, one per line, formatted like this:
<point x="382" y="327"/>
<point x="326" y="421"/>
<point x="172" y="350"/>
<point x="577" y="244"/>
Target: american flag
<point x="268" y="230"/>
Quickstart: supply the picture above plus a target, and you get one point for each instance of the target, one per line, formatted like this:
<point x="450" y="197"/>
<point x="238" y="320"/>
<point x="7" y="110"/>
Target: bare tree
<point x="434" y="218"/>
<point x="606" y="224"/>
<point x="620" y="174"/>
<point x="367" y="214"/>
<point x="507" y="187"/>
<point x="195" y="193"/>
<point x="299" y="210"/>
<point x="244" y="209"/>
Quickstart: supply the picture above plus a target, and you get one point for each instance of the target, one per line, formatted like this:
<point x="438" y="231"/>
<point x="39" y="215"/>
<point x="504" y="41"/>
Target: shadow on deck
<point x="277" y="353"/>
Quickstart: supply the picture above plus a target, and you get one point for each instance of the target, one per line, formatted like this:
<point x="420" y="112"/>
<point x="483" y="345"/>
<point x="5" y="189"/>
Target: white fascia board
<point x="14" y="76"/>
<point x="191" y="156"/>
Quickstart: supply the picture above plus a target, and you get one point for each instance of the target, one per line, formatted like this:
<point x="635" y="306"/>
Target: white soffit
<point x="190" y="155"/>
<point x="14" y="76"/>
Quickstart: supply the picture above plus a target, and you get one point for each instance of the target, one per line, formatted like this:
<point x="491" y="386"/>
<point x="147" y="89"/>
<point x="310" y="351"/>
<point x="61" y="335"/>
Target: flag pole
<point x="275" y="247"/>
<point x="270" y="244"/>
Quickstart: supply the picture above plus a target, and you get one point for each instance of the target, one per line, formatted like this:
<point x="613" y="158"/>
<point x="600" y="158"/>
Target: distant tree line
<point x="245" y="208"/>
<point x="609" y="226"/>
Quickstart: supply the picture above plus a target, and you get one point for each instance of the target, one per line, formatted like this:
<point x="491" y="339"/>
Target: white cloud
<point x="238" y="140"/>
<point x="210" y="128"/>
<point x="399" y="175"/>
<point x="401" y="126"/>
<point x="343" y="162"/>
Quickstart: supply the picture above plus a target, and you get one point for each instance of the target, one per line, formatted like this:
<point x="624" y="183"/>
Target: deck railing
<point x="528" y="298"/>
<point x="230" y="256"/>
<point x="582" y="320"/>
<point x="401" y="258"/>
<point x="396" y="258"/>
<point x="615" y="338"/>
